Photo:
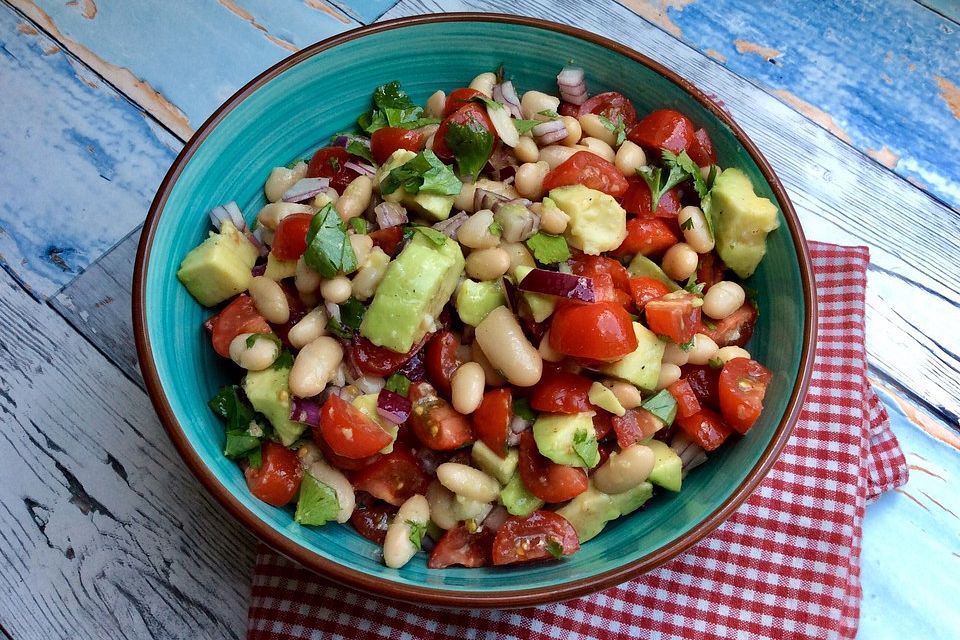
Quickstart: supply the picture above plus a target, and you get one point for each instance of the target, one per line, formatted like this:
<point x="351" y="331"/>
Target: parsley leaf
<point x="521" y="409"/>
<point x="334" y="163"/>
<point x="424" y="172"/>
<point x="356" y="145"/>
<point x="283" y="361"/>
<point x="554" y="548"/>
<point x="663" y="405"/>
<point x="329" y="251"/>
<point x="471" y="144"/>
<point x="585" y="446"/>
<point x="706" y="205"/>
<point x="434" y="236"/>
<point x="550" y="113"/>
<point x="359" y="225"/>
<point x="693" y="286"/>
<point x="252" y="339"/>
<point x="523" y="126"/>
<point x="493" y="104"/>
<point x="317" y="504"/>
<point x="351" y="313"/>
<point x="686" y="226"/>
<point x="337" y="330"/>
<point x="393" y="108"/>
<point x="619" y="129"/>
<point x="680" y="167"/>
<point x="548" y="248"/>
<point x="686" y="346"/>
<point x="417" y="531"/>
<point x="293" y="163"/>
<point x="398" y="383"/>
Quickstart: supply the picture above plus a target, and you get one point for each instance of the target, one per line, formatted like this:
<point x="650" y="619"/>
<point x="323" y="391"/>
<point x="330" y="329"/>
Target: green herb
<point x="715" y="363"/>
<point x="351" y="313"/>
<point x="521" y="409"/>
<point x="680" y="167"/>
<point x="471" y="144"/>
<point x="693" y="286"/>
<point x="317" y="503"/>
<point x="398" y="383"/>
<point x="687" y="224"/>
<point x="709" y="325"/>
<point x="499" y="73"/>
<point x="252" y="339"/>
<point x="244" y="431"/>
<point x="355" y="145"/>
<point x="493" y="104"/>
<point x="548" y="248"/>
<point x="663" y="405"/>
<point x="283" y="361"/>
<point x="393" y="108"/>
<point x="523" y="126"/>
<point x="329" y="251"/>
<point x="585" y="446"/>
<point x="417" y="531"/>
<point x="334" y="163"/>
<point x="293" y="163"/>
<point x="255" y="457"/>
<point x="686" y="346"/>
<point x="434" y="236"/>
<point x="706" y="205"/>
<point x="424" y="172"/>
<point x="619" y="129"/>
<point x="359" y="225"/>
<point x="550" y="113"/>
<point x="554" y="548"/>
<point x="337" y="330"/>
<point x="495" y="228"/>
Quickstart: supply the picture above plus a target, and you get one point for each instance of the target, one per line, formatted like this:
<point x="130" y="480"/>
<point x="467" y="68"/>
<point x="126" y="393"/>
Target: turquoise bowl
<point x="294" y="108"/>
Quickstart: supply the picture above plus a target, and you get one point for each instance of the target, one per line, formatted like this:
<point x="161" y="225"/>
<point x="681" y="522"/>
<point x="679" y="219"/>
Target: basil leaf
<point x="523" y="126"/>
<point x="355" y="145"/>
<point x="663" y="405"/>
<point x="548" y="248"/>
<point x="231" y="406"/>
<point x="393" y="108"/>
<point x="424" y="172"/>
<point x="329" y="251"/>
<point x="351" y="313"/>
<point x="283" y="361"/>
<point x="471" y="144"/>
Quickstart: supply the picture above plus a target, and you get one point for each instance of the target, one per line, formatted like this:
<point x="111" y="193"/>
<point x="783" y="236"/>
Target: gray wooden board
<point x="103" y="531"/>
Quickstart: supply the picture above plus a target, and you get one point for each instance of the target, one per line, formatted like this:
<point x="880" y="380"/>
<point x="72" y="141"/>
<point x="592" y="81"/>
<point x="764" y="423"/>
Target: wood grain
<point x="103" y="531"/>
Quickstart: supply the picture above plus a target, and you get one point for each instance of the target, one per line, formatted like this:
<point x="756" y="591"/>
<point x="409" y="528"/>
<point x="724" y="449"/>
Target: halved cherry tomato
<point x="549" y="481"/>
<point x="240" y="316"/>
<point x="568" y="109"/>
<point x="330" y="162"/>
<point x="611" y="105"/>
<point x="634" y="426"/>
<point x="388" y="239"/>
<point x="348" y="431"/>
<point x="393" y="478"/>
<point x="537" y="536"/>
<point x="674" y="316"/>
<point x="470" y="115"/>
<point x="379" y="361"/>
<point x="645" y="289"/>
<point x="491" y="420"/>
<point x="687" y="402"/>
<point x="435" y="422"/>
<point x="277" y="480"/>
<point x="561" y="392"/>
<point x="647" y="237"/>
<point x="459" y="546"/>
<point x="371" y="518"/>
<point x="664" y="129"/>
<point x="743" y="383"/>
<point x="704" y="380"/>
<point x="458" y="98"/>
<point x="611" y="282"/>
<point x="637" y="200"/>
<point x="599" y="331"/>
<point x="386" y="140"/>
<point x="290" y="240"/>
<point x="736" y="329"/>
<point x="706" y="428"/>
<point x="702" y="153"/>
<point x="340" y="462"/>
<point x="442" y="360"/>
<point x="591" y="171"/>
<point x="710" y="270"/>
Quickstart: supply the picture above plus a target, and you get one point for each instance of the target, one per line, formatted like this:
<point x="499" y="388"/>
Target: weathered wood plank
<point x="892" y="93"/>
<point x="947" y="8"/>
<point x="103" y="532"/>
<point x="364" y="11"/>
<point x="80" y="163"/>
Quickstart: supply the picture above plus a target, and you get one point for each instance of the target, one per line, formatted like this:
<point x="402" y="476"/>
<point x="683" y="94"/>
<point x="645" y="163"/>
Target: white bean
<point x="726" y="354"/>
<point x="529" y="179"/>
<point x="627" y="395"/>
<point x="466" y="387"/>
<point x="669" y="373"/>
<point x="484" y="83"/>
<point x="442" y="505"/>
<point x="336" y="290"/>
<point x="475" y="231"/>
<point x="464" y="199"/>
<point x="508" y="349"/>
<point x="491" y="375"/>
<point x="554" y="220"/>
<point x="258" y="356"/>
<point x="704" y="349"/>
<point x="625" y="470"/>
<point x="398" y="549"/>
<point x="355" y="198"/>
<point x="593" y="127"/>
<point x="680" y="261"/>
<point x="722" y="299"/>
<point x="574" y="132"/>
<point x="281" y="179"/>
<point x="367" y="280"/>
<point x="547" y="352"/>
<point x="630" y="157"/>
<point x="314" y="366"/>
<point x="435" y="104"/>
<point x="329" y="476"/>
<point x="695" y="229"/>
<point x="519" y="255"/>
<point x="269" y="299"/>
<point x="533" y="102"/>
<point x="487" y="264"/>
<point x="468" y="482"/>
<point x="598" y="147"/>
<point x="556" y="154"/>
<point x="526" y="150"/>
<point x="306" y="279"/>
<point x="675" y="355"/>
<point x="311" y="326"/>
<point x="271" y="214"/>
<point x="362" y="245"/>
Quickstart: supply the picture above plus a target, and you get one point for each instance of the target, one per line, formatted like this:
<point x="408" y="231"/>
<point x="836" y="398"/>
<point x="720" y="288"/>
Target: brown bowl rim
<point x="423" y="595"/>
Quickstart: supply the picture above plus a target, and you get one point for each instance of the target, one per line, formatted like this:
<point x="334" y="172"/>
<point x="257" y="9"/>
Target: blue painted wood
<point x="897" y="99"/>
<point x="80" y="163"/>
<point x="947" y="8"/>
<point x="365" y="11"/>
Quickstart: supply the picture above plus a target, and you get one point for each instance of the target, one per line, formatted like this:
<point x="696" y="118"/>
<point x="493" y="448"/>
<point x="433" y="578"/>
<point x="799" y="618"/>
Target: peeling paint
<point x="28" y="29"/>
<point x="324" y="7"/>
<point x="938" y="503"/>
<point x="819" y="116"/>
<point x="767" y="53"/>
<point x="89" y="10"/>
<point x="950" y="94"/>
<point x="49" y="51"/>
<point x="933" y="428"/>
<point x="884" y="156"/>
<point x="922" y="469"/>
<point x="236" y="9"/>
<point x="656" y="12"/>
<point x="716" y="55"/>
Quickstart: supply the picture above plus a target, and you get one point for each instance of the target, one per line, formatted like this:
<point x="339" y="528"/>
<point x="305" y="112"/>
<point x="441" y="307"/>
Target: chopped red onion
<point x="429" y="459"/>
<point x="680" y="442"/>
<point x="510" y="99"/>
<point x="333" y="310"/>
<point x="305" y="188"/>
<point x="484" y="199"/>
<point x="516" y="220"/>
<point x="549" y="132"/>
<point x="259" y="269"/>
<point x="362" y="168"/>
<point x="390" y="214"/>
<point x="511" y="293"/>
<point x="305" y="410"/>
<point x="694" y="460"/>
<point x="572" y="84"/>
<point x="229" y="211"/>
<point x="256" y="239"/>
<point x="554" y="283"/>
<point x="393" y="406"/>
<point x="451" y="226"/>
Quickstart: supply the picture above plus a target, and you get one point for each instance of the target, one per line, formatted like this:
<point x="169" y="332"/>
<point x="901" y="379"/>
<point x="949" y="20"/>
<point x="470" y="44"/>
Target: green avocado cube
<point x="589" y="512"/>
<point x="476" y="299"/>
<point x="269" y="393"/>
<point x="742" y="221"/>
<point x="632" y="499"/>
<point x="642" y="367"/>
<point x="220" y="267"/>
<point x="597" y="221"/>
<point x="567" y="439"/>
<point x="517" y="499"/>
<point x="642" y="266"/>
<point x="279" y="269"/>
<point x="667" y="466"/>
<point x="490" y="463"/>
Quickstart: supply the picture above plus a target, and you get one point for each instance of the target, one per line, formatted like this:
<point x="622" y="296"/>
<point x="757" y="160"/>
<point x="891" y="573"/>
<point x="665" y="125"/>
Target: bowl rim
<point x="380" y="585"/>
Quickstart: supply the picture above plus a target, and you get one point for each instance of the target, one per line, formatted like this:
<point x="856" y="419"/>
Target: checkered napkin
<point x="785" y="565"/>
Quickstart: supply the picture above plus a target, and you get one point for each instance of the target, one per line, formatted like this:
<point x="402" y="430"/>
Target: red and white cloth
<point x="785" y="565"/>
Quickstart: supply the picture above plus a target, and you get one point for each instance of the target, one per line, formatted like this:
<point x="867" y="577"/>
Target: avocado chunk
<point x="431" y="205"/>
<point x="642" y="367"/>
<point x="742" y="221"/>
<point x="645" y="267"/>
<point x="604" y="398"/>
<point x="269" y="393"/>
<point x="317" y="503"/>
<point x="567" y="439"/>
<point x="597" y="222"/>
<point x="279" y="269"/>
<point x="667" y="466"/>
<point x="589" y="512"/>
<point x="493" y="465"/>
<point x="416" y="286"/>
<point x="476" y="299"/>
<point x="517" y="499"/>
<point x="541" y="305"/>
<point x="368" y="406"/>
<point x="220" y="267"/>
<point x="632" y="499"/>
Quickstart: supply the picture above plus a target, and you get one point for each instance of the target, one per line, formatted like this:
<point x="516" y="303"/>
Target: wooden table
<point x="103" y="531"/>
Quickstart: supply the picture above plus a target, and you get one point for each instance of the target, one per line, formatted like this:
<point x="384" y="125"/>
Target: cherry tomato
<point x="277" y="480"/>
<point x="743" y="383"/>
<point x="687" y="402"/>
<point x="674" y="316"/>
<point x="458" y="98"/>
<point x="240" y="316"/>
<point x="549" y="481"/>
<point x="290" y="240"/>
<point x="340" y="462"/>
<point x="602" y="423"/>
<point x="611" y="282"/>
<point x="379" y="361"/>
<point x="491" y="420"/>
<point x="435" y="422"/>
<point x="348" y="431"/>
<point x="470" y="115"/>
<point x="635" y="426"/>
<point x="591" y="171"/>
<point x="386" y="140"/>
<point x="664" y="129"/>
<point x="645" y="289"/>
<point x="736" y="329"/>
<point x="710" y="270"/>
<point x="646" y="237"/>
<point x="459" y="546"/>
<point x="600" y="331"/>
<point x="371" y="519"/>
<point x="394" y="477"/>
<point x="568" y="109"/>
<point x="442" y="360"/>
<point x="704" y="380"/>
<point x="537" y="536"/>
<point x="705" y="428"/>
<point x="611" y="105"/>
<point x="388" y="239"/>
<point x="330" y="162"/>
<point x="561" y="392"/>
<point x="702" y="153"/>
<point x="637" y="200"/>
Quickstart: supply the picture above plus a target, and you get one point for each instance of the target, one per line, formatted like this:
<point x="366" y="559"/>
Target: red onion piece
<point x="519" y="425"/>
<point x="229" y="211"/>
<point x="554" y="283"/>
<point x="414" y="369"/>
<point x="484" y="199"/>
<point x="511" y="99"/>
<point x="304" y="189"/>
<point x="258" y="269"/>
<point x="393" y="406"/>
<point x="451" y="225"/>
<point x="362" y="168"/>
<point x="256" y="239"/>
<point x="390" y="214"/>
<point x="549" y="132"/>
<point x="572" y="84"/>
<point x="344" y="140"/>
<point x="305" y="410"/>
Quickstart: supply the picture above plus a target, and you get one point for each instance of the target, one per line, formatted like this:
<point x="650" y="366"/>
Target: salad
<point x="486" y="327"/>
